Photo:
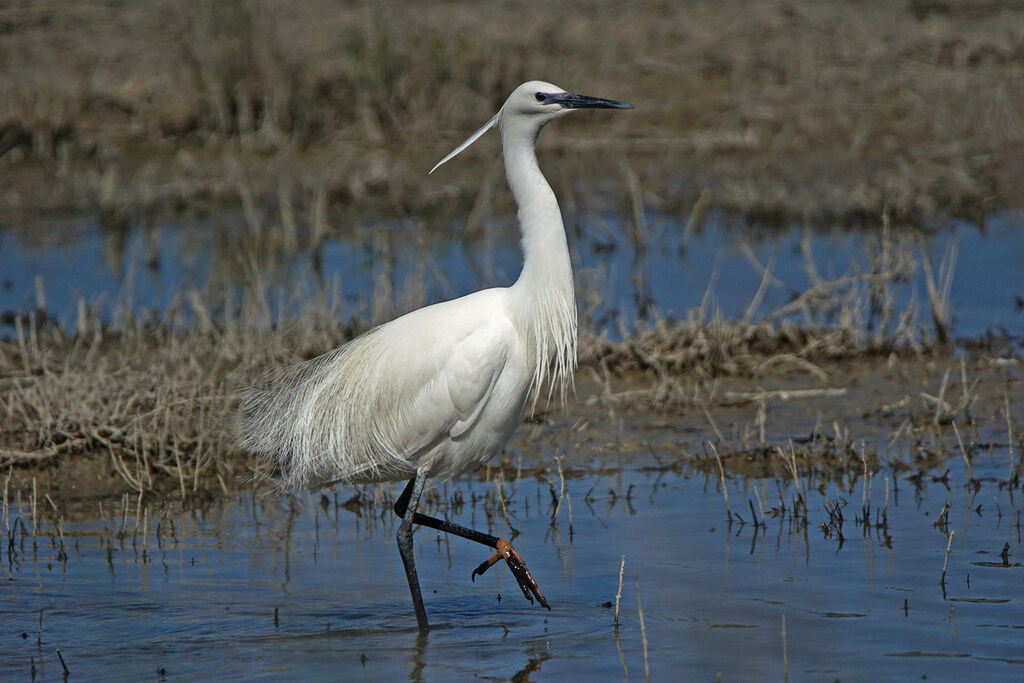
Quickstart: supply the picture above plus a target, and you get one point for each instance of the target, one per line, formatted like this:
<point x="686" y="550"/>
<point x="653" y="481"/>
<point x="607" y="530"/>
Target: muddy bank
<point x="797" y="109"/>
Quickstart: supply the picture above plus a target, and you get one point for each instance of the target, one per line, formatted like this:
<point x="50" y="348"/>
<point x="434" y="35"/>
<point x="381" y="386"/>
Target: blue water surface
<point x="381" y="270"/>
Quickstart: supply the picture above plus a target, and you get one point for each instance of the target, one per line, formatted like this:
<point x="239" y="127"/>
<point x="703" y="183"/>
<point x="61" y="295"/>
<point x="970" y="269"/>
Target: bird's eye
<point x="540" y="97"/>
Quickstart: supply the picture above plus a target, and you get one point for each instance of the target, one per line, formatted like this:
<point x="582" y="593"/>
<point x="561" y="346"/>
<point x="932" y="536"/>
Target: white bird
<point x="439" y="390"/>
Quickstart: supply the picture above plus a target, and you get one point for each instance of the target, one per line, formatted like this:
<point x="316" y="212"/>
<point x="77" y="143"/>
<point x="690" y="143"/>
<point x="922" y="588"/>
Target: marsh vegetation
<point x="799" y="294"/>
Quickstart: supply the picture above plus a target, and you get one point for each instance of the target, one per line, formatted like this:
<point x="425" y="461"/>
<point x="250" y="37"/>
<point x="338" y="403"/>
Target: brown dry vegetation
<point x="149" y="406"/>
<point x="799" y="108"/>
<point x="784" y="108"/>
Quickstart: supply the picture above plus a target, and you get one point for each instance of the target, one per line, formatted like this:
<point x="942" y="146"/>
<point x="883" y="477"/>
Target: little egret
<point x="439" y="390"/>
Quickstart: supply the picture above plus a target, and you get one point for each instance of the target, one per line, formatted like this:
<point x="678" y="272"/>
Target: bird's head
<point x="532" y="105"/>
<point x="544" y="101"/>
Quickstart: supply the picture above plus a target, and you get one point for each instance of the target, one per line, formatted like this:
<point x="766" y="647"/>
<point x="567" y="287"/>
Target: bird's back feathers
<point x="432" y="387"/>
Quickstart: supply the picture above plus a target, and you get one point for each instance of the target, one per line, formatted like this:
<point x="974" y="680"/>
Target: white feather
<point x="469" y="141"/>
<point x="443" y="387"/>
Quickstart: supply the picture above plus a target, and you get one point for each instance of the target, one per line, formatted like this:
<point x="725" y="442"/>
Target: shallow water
<point x="194" y="592"/>
<point x="379" y="270"/>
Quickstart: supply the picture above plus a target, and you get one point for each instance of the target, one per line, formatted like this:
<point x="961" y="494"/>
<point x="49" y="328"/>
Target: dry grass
<point x="773" y="108"/>
<point x="154" y="399"/>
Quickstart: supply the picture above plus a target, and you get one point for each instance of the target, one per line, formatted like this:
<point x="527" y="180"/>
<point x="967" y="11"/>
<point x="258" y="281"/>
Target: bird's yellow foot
<point x="504" y="551"/>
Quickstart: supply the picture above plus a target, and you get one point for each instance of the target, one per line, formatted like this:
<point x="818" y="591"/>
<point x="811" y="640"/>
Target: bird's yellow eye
<point x="540" y="97"/>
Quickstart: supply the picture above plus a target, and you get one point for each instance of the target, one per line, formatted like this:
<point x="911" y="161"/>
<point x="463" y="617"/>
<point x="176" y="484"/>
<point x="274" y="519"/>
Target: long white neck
<point x="543" y="297"/>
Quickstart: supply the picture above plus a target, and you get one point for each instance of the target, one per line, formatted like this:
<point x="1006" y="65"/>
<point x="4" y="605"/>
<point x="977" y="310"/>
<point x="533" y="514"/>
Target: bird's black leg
<point x="502" y="549"/>
<point x="411" y="498"/>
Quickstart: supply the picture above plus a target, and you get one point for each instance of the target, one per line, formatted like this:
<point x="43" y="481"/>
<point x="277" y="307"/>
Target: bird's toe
<point x="514" y="560"/>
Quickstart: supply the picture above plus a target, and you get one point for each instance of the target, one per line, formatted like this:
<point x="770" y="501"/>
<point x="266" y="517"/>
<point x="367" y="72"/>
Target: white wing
<point x="407" y="390"/>
<point x="446" y="378"/>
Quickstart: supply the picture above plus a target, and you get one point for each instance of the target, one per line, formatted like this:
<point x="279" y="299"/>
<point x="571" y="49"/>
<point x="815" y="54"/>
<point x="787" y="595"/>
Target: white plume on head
<point x="469" y="141"/>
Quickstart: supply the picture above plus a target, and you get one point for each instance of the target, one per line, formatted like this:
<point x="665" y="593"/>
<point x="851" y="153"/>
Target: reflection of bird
<point x="439" y="390"/>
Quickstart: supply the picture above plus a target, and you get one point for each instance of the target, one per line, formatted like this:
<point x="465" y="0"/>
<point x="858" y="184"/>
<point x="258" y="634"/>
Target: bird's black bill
<point x="569" y="100"/>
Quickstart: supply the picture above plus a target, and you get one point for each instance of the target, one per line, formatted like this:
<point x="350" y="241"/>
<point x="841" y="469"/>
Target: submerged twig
<point x="643" y="628"/>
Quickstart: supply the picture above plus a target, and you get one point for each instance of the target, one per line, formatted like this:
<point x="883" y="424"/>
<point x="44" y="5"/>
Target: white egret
<point x="439" y="390"/>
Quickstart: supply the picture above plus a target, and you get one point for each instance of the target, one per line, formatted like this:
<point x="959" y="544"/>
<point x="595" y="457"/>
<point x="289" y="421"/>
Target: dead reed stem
<point x="963" y="452"/>
<point x="618" y="594"/>
<point x="1009" y="435"/>
<point x="718" y="432"/>
<point x="721" y="479"/>
<point x="940" y="287"/>
<point x="945" y="561"/>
